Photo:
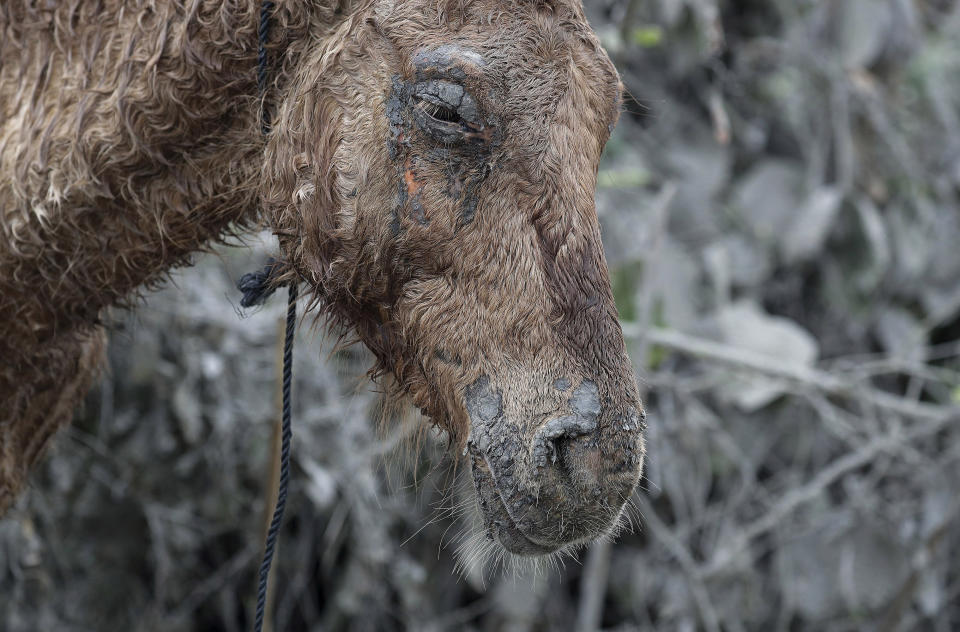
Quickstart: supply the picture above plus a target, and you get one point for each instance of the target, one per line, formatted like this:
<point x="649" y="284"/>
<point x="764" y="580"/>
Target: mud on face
<point x="460" y="241"/>
<point x="436" y="105"/>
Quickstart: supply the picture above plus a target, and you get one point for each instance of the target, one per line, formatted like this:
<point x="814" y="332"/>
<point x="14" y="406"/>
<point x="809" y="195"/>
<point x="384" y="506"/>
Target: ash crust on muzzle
<point x="485" y="406"/>
<point x="533" y="484"/>
<point x="483" y="403"/>
<point x="489" y="439"/>
<point x="585" y="404"/>
<point x="586" y="400"/>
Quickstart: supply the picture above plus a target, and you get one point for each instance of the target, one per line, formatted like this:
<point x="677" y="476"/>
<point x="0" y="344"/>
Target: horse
<point x="429" y="172"/>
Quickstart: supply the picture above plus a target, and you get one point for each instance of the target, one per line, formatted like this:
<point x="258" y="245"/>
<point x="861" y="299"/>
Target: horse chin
<point x="499" y="525"/>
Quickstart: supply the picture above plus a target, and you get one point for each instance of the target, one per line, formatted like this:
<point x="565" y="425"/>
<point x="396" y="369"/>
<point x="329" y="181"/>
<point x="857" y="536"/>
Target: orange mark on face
<point x="413" y="187"/>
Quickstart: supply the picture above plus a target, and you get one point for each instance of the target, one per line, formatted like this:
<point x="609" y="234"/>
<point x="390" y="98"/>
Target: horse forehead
<point x="488" y="23"/>
<point x="448" y="54"/>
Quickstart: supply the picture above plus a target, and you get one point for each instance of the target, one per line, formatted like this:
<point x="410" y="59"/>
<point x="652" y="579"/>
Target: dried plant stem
<point x="806" y="376"/>
<point x="593" y="587"/>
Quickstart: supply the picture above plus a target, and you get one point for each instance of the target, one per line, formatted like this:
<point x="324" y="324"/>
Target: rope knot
<point x="258" y="286"/>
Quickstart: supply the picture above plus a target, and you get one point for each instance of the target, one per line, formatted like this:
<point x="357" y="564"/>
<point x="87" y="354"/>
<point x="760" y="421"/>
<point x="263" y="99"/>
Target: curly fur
<point x="128" y="142"/>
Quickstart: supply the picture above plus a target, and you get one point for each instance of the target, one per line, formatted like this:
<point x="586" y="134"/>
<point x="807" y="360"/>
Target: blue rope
<point x="266" y="8"/>
<point x="261" y="293"/>
<point x="285" y="436"/>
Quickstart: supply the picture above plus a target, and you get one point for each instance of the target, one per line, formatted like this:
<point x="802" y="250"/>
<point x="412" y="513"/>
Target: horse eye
<point x="439" y="112"/>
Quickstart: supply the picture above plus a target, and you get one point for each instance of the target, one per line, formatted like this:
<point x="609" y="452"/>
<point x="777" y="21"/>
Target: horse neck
<point x="134" y="142"/>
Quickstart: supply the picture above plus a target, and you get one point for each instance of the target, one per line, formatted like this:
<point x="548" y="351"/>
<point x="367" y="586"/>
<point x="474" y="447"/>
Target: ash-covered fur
<point x="430" y="174"/>
<point x="128" y="141"/>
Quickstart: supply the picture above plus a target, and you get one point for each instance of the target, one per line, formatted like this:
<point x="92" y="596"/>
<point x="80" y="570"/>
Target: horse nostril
<point x="557" y="449"/>
<point x="549" y="442"/>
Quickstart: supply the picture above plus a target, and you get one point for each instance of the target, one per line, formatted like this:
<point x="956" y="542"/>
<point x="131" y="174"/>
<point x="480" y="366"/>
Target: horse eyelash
<point x="440" y="112"/>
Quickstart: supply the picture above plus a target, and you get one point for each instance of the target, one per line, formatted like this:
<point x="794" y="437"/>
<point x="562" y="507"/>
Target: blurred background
<point x="780" y="215"/>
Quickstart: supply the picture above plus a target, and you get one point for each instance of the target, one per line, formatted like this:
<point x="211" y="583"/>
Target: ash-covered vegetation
<point x="780" y="207"/>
